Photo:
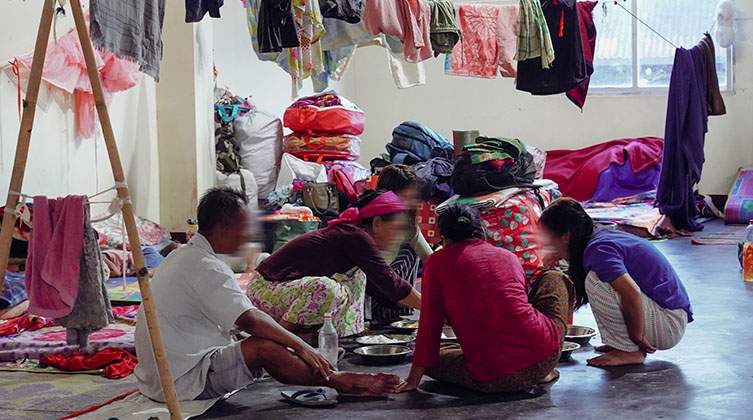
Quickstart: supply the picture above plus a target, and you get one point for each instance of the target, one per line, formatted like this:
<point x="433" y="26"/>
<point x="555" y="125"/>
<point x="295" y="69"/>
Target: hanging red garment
<point x="26" y="322"/>
<point x="119" y="363"/>
<point x="577" y="171"/>
<point x="588" y="35"/>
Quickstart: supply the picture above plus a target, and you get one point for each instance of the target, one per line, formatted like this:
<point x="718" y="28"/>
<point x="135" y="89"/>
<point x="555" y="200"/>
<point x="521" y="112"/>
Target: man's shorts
<point x="228" y="372"/>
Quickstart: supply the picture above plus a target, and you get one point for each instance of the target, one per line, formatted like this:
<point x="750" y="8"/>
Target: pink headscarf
<point x="387" y="203"/>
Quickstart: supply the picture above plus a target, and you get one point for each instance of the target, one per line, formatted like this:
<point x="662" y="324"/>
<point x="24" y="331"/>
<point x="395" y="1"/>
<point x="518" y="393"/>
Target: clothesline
<point x="617" y="3"/>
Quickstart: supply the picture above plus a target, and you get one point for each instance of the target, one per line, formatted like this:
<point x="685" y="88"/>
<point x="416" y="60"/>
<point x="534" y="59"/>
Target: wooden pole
<point x="147" y="300"/>
<point x="24" y="135"/>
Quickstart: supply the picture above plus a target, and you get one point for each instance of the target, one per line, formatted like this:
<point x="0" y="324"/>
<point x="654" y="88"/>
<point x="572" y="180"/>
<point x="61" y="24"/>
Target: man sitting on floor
<point x="200" y="308"/>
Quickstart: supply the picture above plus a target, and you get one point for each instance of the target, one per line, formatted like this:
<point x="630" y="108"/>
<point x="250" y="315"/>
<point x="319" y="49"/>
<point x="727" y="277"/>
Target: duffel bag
<point x="325" y="113"/>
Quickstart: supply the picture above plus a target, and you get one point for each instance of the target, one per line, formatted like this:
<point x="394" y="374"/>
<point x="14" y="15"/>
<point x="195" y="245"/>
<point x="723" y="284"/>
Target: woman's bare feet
<point x="603" y="349"/>
<point x="554" y="374"/>
<point x="365" y="385"/>
<point x="618" y="358"/>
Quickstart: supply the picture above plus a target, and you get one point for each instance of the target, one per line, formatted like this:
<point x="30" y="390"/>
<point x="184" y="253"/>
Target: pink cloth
<point x="476" y="54"/>
<point x="387" y="203"/>
<point x="407" y="20"/>
<point x="53" y="266"/>
<point x="507" y="39"/>
<point x="65" y="74"/>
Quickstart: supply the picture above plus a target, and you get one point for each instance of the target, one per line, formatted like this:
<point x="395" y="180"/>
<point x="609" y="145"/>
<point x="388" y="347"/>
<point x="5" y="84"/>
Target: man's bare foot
<point x="618" y="358"/>
<point x="603" y="349"/>
<point x="365" y="385"/>
<point x="554" y="374"/>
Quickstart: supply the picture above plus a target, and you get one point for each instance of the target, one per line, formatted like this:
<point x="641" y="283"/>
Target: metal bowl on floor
<point x="406" y="326"/>
<point x="579" y="334"/>
<point x="370" y="340"/>
<point x="383" y="354"/>
<point x="567" y="350"/>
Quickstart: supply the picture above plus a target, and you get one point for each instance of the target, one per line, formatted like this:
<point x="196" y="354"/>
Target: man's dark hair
<point x="219" y="206"/>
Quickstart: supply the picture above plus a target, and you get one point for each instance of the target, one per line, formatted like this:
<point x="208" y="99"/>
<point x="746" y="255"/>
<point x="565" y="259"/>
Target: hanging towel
<point x="476" y="54"/>
<point x="533" y="34"/>
<point x="196" y="9"/>
<point x="130" y="29"/>
<point x="507" y="39"/>
<point x="569" y="68"/>
<point x="407" y="20"/>
<point x="714" y="100"/>
<point x="588" y="34"/>
<point x="92" y="310"/>
<point x="684" y="132"/>
<point x="54" y="262"/>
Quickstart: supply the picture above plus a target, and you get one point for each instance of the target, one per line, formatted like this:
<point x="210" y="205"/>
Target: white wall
<point x="60" y="162"/>
<point x="496" y="108"/>
<point x="245" y="75"/>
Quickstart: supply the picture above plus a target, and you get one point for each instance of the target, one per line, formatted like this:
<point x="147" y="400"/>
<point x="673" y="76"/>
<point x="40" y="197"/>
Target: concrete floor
<point x="707" y="376"/>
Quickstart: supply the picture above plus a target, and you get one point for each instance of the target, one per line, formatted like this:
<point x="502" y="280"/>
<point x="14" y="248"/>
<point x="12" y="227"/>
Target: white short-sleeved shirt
<point x="198" y="301"/>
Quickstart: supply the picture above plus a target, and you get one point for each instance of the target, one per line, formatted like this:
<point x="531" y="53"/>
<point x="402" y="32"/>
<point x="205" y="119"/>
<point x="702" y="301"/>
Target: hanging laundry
<point x="92" y="310"/>
<point x="507" y="39"/>
<point x="307" y="59"/>
<point x="407" y="20"/>
<point x="534" y="39"/>
<point x="588" y="35"/>
<point x="54" y="263"/>
<point x="443" y="27"/>
<point x="684" y="132"/>
<point x="196" y="9"/>
<point x="569" y="67"/>
<point x="476" y="54"/>
<point x="65" y="74"/>
<point x="275" y="27"/>
<point x="404" y="74"/>
<point x="130" y="30"/>
<point x="714" y="100"/>
<point x="347" y="10"/>
<point x="118" y="363"/>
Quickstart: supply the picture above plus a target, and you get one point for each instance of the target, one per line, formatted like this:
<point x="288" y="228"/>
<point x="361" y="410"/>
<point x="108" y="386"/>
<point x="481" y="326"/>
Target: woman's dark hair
<point x="459" y="223"/>
<point x="566" y="215"/>
<point x="218" y="207"/>
<point x="397" y="178"/>
<point x="366" y="198"/>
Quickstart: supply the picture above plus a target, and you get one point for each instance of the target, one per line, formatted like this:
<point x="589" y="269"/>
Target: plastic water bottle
<point x="193" y="228"/>
<point x="328" y="341"/>
<point x="748" y="253"/>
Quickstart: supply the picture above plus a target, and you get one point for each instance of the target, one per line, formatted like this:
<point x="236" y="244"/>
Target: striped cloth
<point x="663" y="327"/>
<point x="14" y="290"/>
<point x="130" y="30"/>
<point x="533" y="34"/>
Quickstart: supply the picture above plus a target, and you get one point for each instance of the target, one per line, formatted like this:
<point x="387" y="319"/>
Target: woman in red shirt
<point x="509" y="340"/>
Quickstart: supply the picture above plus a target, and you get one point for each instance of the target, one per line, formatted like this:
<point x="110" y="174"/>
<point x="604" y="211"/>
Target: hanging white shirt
<point x="198" y="301"/>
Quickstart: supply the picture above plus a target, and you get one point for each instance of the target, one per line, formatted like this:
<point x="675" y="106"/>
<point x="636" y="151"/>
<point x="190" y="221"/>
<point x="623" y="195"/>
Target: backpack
<point x="413" y="143"/>
<point x="228" y="157"/>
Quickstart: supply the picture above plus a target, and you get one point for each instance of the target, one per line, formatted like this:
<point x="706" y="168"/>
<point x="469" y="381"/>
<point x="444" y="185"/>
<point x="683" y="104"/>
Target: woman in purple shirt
<point x="639" y="302"/>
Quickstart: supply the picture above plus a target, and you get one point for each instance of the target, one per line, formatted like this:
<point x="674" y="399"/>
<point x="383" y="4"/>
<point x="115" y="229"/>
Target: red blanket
<point x="119" y="362"/>
<point x="25" y="322"/>
<point x="577" y="171"/>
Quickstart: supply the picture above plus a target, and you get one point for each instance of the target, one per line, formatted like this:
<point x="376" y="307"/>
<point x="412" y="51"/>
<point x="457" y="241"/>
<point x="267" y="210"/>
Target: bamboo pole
<point x="24" y="134"/>
<point x="147" y="299"/>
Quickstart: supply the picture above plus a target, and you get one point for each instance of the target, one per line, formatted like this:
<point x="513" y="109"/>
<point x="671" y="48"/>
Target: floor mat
<point x="138" y="407"/>
<point x="719" y="238"/>
<point x="132" y="295"/>
<point x="51" y="341"/>
<point x="39" y="396"/>
<point x="30" y="366"/>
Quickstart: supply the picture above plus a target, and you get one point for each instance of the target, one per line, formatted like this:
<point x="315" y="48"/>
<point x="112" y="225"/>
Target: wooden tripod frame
<point x="19" y="166"/>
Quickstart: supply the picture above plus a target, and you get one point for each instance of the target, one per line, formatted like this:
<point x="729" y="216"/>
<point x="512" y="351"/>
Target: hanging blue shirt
<point x="610" y="254"/>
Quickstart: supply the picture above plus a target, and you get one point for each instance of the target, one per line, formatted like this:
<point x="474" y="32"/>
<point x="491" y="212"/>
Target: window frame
<point x="635" y="89"/>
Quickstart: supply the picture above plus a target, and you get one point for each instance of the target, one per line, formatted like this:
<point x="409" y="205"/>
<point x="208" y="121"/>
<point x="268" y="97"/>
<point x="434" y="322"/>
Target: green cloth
<point x="494" y="148"/>
<point x="533" y="34"/>
<point x="443" y="28"/>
